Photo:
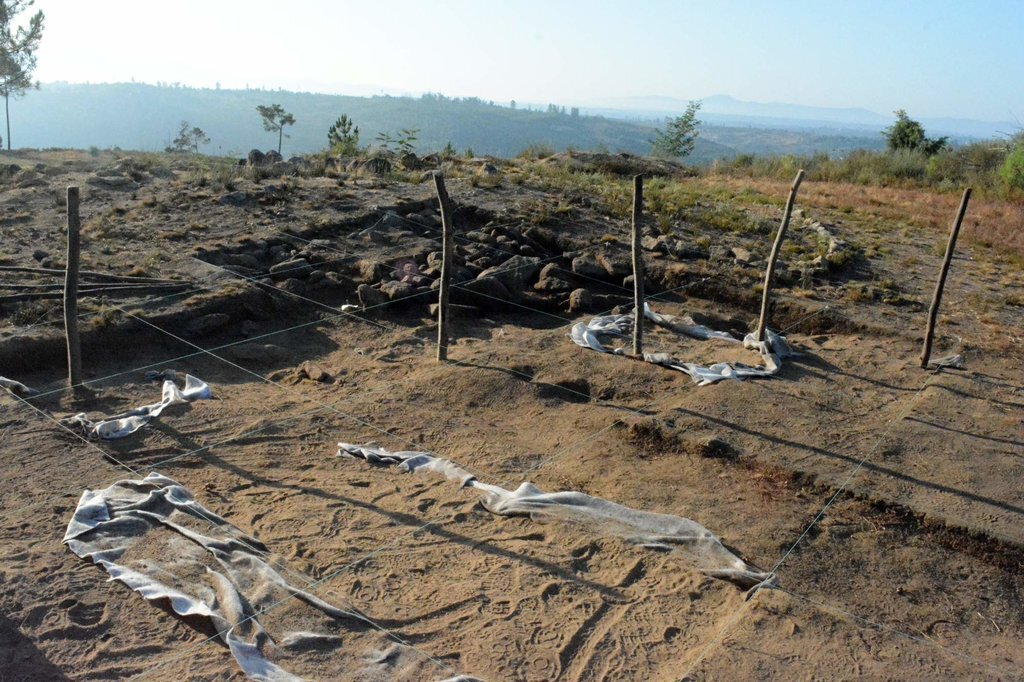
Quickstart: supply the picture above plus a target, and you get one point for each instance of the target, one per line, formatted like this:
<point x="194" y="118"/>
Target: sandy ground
<point x="914" y="571"/>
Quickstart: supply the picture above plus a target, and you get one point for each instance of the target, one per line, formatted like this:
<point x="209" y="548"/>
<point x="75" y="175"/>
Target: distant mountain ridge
<point x="146" y="117"/>
<point x="729" y="110"/>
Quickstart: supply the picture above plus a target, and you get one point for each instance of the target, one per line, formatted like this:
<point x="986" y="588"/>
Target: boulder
<point x="246" y="260"/>
<point x="516" y="273"/>
<point x="256" y="158"/>
<point x="370" y="270"/>
<point x="491" y="292"/>
<point x="580" y="301"/>
<point x="657" y="244"/>
<point x="370" y="297"/>
<point x="297" y="268"/>
<point x="742" y="255"/>
<point x="617" y="265"/>
<point x="236" y="199"/>
<point x="207" y="324"/>
<point x="587" y="266"/>
<point x="293" y="286"/>
<point x="273" y="157"/>
<point x="395" y="290"/>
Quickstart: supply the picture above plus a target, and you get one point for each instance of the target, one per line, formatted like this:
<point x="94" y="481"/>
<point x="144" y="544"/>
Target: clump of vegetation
<point x="188" y="139"/>
<point x="401" y="143"/>
<point x="343" y="137"/>
<point x="680" y="134"/>
<point x="17" y="52"/>
<point x="275" y="118"/>
<point x="907" y="133"/>
<point x="1012" y="170"/>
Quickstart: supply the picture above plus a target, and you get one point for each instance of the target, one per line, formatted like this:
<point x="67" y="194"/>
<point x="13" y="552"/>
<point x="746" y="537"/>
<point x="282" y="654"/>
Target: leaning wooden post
<point x="762" y="323"/>
<point x="933" y="312"/>
<point x="71" y="292"/>
<point x="638" y="267"/>
<point x="447" y="263"/>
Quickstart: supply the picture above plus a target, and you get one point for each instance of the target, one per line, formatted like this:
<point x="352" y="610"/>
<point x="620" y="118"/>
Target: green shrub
<point x="1012" y="172"/>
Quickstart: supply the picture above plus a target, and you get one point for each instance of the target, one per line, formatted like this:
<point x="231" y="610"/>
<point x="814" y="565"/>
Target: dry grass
<point x="990" y="222"/>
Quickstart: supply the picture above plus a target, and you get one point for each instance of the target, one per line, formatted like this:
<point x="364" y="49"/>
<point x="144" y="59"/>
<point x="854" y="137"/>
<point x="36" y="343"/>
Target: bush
<point x="1012" y="172"/>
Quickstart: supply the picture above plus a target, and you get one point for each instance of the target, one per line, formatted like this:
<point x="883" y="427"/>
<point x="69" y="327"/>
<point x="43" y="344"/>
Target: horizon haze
<point x="937" y="60"/>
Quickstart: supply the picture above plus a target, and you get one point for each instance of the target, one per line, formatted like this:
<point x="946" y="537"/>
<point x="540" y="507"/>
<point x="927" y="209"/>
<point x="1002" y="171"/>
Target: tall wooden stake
<point x="638" y="267"/>
<point x="933" y="312"/>
<point x="447" y="263"/>
<point x="71" y="291"/>
<point x="769" y="273"/>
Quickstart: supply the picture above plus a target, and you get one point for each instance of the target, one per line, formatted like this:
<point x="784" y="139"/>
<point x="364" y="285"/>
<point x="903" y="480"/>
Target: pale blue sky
<point x="959" y="59"/>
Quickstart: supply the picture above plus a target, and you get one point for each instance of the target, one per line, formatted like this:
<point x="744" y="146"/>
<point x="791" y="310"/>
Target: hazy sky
<point x="961" y="58"/>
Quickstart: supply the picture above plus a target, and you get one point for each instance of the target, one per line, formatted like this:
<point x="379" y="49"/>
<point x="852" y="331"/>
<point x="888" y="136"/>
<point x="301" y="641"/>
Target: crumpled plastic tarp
<point x="649" y="529"/>
<point x="772" y="350"/>
<point x="129" y="422"/>
<point x="151" y="535"/>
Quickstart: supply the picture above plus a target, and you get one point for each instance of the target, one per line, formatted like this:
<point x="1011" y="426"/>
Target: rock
<point x="515" y="274"/>
<point x="236" y="199"/>
<point x="678" y="249"/>
<point x="587" y="266"/>
<point x="552" y="285"/>
<point x="293" y="286"/>
<point x="481" y="237"/>
<point x="580" y="301"/>
<point x="658" y="244"/>
<point x="551" y="280"/>
<point x="295" y="268"/>
<point x="742" y="255"/>
<point x="615" y="264"/>
<point x="410" y="162"/>
<point x="256" y="158"/>
<point x="273" y="157"/>
<point x="370" y="270"/>
<point x="396" y="290"/>
<point x="39" y="254"/>
<point x="246" y="260"/>
<point x="314" y="372"/>
<point x="207" y="324"/>
<point x="467" y="311"/>
<point x="370" y="297"/>
<point x="281" y="168"/>
<point x="717" y="253"/>
<point x="488" y="169"/>
<point x="491" y="291"/>
<point x="627" y="282"/>
<point x="378" y="166"/>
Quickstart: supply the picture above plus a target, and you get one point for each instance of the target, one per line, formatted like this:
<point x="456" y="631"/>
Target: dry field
<point x="887" y="499"/>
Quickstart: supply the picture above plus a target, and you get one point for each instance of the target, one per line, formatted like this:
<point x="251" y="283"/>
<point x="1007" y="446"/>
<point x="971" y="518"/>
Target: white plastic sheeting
<point x="649" y="529"/>
<point x="127" y="423"/>
<point x="151" y="535"/>
<point x="772" y="350"/>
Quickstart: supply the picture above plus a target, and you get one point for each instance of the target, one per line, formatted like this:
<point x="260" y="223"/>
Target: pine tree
<point x="18" y="47"/>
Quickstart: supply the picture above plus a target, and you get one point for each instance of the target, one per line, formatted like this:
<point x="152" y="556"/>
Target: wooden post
<point x="933" y="312"/>
<point x="638" y="267"/>
<point x="447" y="264"/>
<point x="762" y="323"/>
<point x="71" y="292"/>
